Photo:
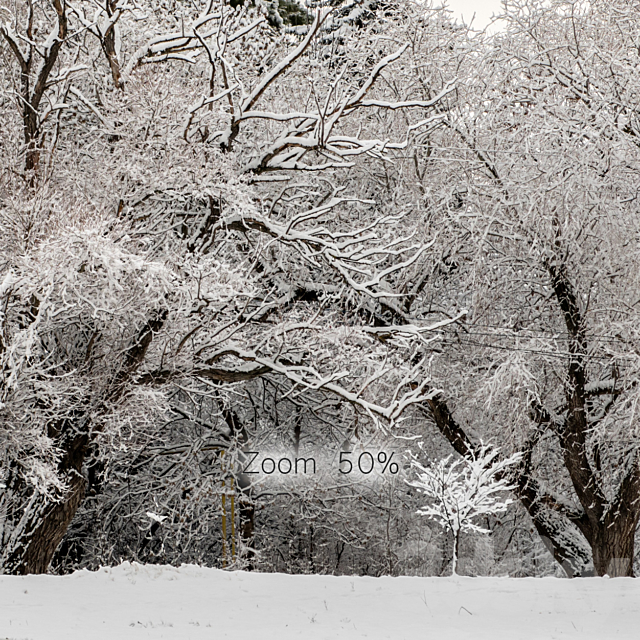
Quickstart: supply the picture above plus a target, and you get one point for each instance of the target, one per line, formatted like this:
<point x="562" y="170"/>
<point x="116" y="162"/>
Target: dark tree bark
<point x="608" y="528"/>
<point x="552" y="533"/>
<point x="30" y="98"/>
<point x="45" y="523"/>
<point x="47" y="527"/>
<point x="108" y="42"/>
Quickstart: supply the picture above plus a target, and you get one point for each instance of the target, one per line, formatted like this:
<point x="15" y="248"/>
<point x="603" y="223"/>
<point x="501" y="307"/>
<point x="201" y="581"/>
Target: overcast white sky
<point x="482" y="8"/>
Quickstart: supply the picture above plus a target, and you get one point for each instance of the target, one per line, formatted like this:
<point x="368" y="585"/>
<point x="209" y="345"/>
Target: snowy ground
<point x="137" y="601"/>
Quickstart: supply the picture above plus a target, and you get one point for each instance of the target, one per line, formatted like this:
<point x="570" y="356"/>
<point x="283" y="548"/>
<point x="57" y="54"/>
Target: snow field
<point x="190" y="603"/>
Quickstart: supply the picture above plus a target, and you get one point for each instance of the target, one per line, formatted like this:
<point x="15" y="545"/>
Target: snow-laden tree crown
<point x="315" y="230"/>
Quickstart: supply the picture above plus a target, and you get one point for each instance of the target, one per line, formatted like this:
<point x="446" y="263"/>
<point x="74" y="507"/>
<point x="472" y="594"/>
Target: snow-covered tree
<point x="461" y="491"/>
<point x="215" y="230"/>
<point x="544" y="157"/>
<point x="178" y="222"/>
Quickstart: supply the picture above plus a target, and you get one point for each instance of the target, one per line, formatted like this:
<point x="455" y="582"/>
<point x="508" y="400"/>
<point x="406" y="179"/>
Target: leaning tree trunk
<point x="45" y="533"/>
<point x="44" y="523"/>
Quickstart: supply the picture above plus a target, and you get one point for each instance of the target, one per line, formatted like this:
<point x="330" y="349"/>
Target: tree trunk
<point x="613" y="547"/>
<point x="34" y="553"/>
<point x="247" y="522"/>
<point x="456" y="551"/>
<point x="109" y="46"/>
<point x="44" y="523"/>
<point x="33" y="142"/>
<point x="243" y="483"/>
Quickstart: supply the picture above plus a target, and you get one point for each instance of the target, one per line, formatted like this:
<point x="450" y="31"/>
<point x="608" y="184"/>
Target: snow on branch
<point x="188" y="43"/>
<point x="314" y="132"/>
<point x="254" y="96"/>
<point x="308" y="378"/>
<point x="354" y="254"/>
<point x="462" y="490"/>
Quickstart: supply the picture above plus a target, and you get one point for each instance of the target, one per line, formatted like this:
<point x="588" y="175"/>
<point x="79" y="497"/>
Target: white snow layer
<point x="190" y="602"/>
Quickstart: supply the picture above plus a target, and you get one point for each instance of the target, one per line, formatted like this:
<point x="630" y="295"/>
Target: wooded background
<point x="313" y="230"/>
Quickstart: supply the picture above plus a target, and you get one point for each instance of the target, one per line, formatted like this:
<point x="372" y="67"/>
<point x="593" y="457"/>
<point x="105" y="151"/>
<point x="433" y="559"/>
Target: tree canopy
<point x="226" y="228"/>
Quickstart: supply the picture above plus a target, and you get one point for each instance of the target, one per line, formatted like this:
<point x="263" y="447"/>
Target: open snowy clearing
<point x="137" y="601"/>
